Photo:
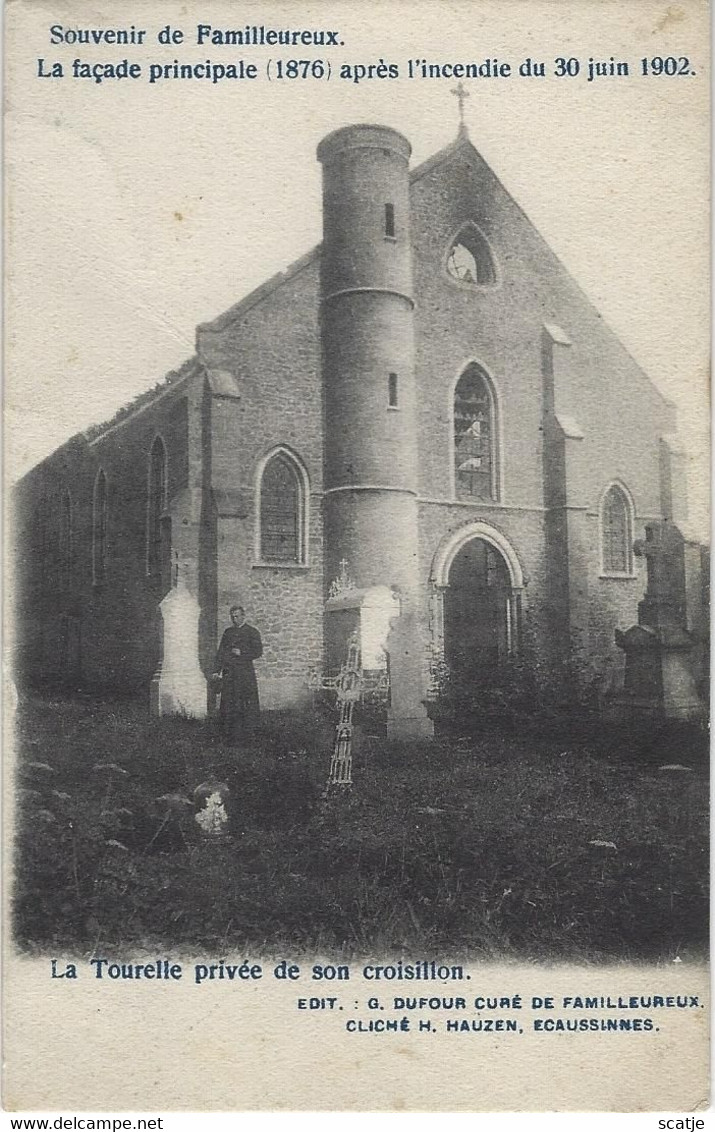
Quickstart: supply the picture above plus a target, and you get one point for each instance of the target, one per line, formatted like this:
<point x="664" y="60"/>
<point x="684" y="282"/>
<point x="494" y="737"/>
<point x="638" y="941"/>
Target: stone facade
<point x="344" y="369"/>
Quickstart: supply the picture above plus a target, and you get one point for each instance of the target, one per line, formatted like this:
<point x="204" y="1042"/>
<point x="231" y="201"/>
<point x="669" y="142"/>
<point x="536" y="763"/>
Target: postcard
<point x="357" y="448"/>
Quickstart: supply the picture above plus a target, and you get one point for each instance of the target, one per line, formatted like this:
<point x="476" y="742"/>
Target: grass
<point x="508" y="845"/>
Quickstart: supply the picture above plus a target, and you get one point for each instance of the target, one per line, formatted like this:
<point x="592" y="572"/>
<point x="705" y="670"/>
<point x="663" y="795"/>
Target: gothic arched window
<point x="65" y="544"/>
<point x="282" y="511"/>
<point x="157" y="501"/>
<point x="469" y="259"/>
<point x="99" y="530"/>
<point x="475" y="465"/>
<point x="616" y="532"/>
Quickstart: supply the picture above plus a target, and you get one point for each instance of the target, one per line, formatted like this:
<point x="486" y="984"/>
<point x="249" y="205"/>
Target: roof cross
<point x="461" y="94"/>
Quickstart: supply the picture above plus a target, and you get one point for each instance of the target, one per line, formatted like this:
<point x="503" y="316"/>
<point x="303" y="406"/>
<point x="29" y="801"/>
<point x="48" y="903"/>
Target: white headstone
<point x="380" y="607"/>
<point x="179" y="685"/>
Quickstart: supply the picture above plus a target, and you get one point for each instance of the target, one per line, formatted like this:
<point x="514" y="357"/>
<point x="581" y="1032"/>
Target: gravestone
<point x="659" y="677"/>
<point x="178" y="686"/>
<point x="211" y="809"/>
<point x="367" y="613"/>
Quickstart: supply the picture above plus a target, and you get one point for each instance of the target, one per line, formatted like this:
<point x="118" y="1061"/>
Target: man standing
<point x="240" y="646"/>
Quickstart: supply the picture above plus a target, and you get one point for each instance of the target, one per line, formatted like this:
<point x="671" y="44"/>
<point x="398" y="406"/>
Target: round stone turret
<point x="370" y="504"/>
<point x="367" y="310"/>
<point x="366" y="211"/>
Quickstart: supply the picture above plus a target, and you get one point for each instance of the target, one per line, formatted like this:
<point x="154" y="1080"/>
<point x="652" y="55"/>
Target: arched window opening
<point x="392" y="391"/>
<point x="474" y="437"/>
<point x="99" y="530"/>
<point x="469" y="259"/>
<point x="65" y="544"/>
<point x="158" y="530"/>
<point x="616" y="532"/>
<point x="281" y="512"/>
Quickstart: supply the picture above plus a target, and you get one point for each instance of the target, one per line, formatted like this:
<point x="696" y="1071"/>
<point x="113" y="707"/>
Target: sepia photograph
<point x="358" y="571"/>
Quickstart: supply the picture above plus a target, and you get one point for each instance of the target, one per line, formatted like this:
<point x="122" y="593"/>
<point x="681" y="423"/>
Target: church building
<point x="421" y="431"/>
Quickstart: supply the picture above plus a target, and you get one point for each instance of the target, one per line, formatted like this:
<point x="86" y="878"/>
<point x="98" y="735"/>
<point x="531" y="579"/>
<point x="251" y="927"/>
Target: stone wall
<point x="110" y="625"/>
<point x="620" y="412"/>
<point x="599" y="388"/>
<point x="269" y="345"/>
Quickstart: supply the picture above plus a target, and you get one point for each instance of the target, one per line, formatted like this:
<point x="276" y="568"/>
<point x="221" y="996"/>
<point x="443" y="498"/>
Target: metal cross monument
<point x="351" y="685"/>
<point x="348" y="686"/>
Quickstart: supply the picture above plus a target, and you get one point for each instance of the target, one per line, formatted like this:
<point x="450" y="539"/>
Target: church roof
<point x="89" y="436"/>
<point x="458" y="145"/>
<point x="191" y="367"/>
<point x="461" y="141"/>
<point x="174" y="378"/>
<point x="282" y="277"/>
<point x="256" y="296"/>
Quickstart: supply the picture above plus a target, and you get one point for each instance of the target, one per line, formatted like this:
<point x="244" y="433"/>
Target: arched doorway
<point x="477" y="587"/>
<point x="478" y="615"/>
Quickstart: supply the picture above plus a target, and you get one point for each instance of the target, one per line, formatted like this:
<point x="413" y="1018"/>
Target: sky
<point x="137" y="211"/>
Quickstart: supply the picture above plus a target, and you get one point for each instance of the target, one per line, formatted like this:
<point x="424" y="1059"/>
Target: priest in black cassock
<point x="240" y="646"/>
